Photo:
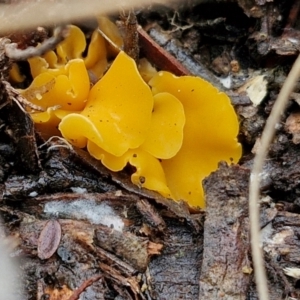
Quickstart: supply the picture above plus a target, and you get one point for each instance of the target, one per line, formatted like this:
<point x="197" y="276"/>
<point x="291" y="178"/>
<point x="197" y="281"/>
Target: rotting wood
<point x="282" y="186"/>
<point x="84" y="286"/>
<point x="151" y="215"/>
<point x="128" y="28"/>
<point x="159" y="56"/>
<point x="77" y="256"/>
<point x="133" y="249"/>
<point x="226" y="236"/>
<point x="20" y="128"/>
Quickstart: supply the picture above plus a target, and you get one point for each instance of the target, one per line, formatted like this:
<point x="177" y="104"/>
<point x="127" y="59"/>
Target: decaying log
<point x="226" y="265"/>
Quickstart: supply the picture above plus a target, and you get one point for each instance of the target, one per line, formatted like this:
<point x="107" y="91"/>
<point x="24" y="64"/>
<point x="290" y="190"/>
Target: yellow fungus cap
<point x="119" y="107"/>
<point x="68" y="88"/>
<point x="47" y="122"/>
<point x="74" y="45"/>
<point x="174" y="135"/>
<point x="39" y="65"/>
<point x="149" y="172"/>
<point x="165" y="136"/>
<point x="72" y="48"/>
<point x="50" y="59"/>
<point x="210" y="134"/>
<point x="15" y="75"/>
<point x="96" y="61"/>
<point x="146" y="70"/>
<point x="124" y="123"/>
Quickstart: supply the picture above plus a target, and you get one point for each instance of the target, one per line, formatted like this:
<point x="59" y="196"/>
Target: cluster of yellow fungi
<point x="173" y="130"/>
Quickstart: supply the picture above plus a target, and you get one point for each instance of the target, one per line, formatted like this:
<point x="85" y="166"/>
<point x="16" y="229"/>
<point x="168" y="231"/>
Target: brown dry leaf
<point x="49" y="239"/>
<point x="256" y="89"/>
<point x="63" y="293"/>
<point x="292" y="125"/>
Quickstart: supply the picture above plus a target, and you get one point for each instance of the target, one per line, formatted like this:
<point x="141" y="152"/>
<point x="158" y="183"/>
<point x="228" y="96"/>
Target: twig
<point x="109" y="40"/>
<point x="267" y="136"/>
<point x="19" y="99"/>
<point x="128" y="28"/>
<point x="20" y="16"/>
<point x="160" y="57"/>
<point x="83" y="286"/>
<point x="18" y="54"/>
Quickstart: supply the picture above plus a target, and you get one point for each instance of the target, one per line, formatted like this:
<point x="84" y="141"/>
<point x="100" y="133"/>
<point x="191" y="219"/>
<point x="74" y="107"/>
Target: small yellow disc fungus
<point x="149" y="172"/>
<point x="50" y="61"/>
<point x="174" y="135"/>
<point x="15" y="75"/>
<point x="72" y="46"/>
<point x="69" y="91"/>
<point x="78" y="129"/>
<point x="112" y="162"/>
<point x="39" y="65"/>
<point x="120" y="114"/>
<point x="146" y="70"/>
<point x="96" y="60"/>
<point x="166" y="130"/>
<point x="210" y="134"/>
<point x="47" y="122"/>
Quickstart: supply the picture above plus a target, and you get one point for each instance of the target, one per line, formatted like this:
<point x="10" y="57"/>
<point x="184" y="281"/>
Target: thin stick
<point x="18" y="54"/>
<point x="109" y="40"/>
<point x="18" y="98"/>
<point x="83" y="286"/>
<point x="30" y="14"/>
<point x="267" y="136"/>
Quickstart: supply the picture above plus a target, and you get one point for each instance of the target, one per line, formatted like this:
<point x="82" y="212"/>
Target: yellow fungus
<point x="174" y="135"/>
<point x="47" y="122"/>
<point x="119" y="107"/>
<point x="166" y="130"/>
<point x="112" y="162"/>
<point x="96" y="61"/>
<point x="111" y="31"/>
<point x="74" y="45"/>
<point x="15" y="75"/>
<point x="72" y="48"/>
<point x="146" y="70"/>
<point x="50" y="61"/>
<point x="39" y="65"/>
<point x="121" y="125"/>
<point x="69" y="91"/>
<point x="210" y="134"/>
<point x="149" y="172"/>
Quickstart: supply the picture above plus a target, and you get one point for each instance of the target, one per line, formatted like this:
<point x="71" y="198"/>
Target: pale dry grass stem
<point x="18" y="17"/>
<point x="261" y="154"/>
